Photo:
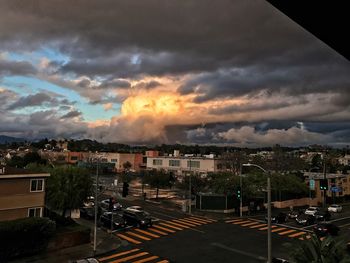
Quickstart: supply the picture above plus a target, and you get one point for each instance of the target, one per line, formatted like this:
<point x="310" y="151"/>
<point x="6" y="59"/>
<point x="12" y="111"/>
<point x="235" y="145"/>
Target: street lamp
<point x="269" y="244"/>
<point x="190" y="190"/>
<point x="240" y="187"/>
<point x="96" y="208"/>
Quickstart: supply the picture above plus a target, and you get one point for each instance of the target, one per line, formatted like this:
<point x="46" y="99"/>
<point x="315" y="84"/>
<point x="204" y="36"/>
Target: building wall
<point x="206" y="165"/>
<point x="16" y="198"/>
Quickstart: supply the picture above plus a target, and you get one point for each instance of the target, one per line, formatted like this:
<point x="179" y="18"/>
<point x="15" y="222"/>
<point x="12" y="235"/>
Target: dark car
<point x="279" y="260"/>
<point x="87" y="212"/>
<point x="279" y="218"/>
<point x="294" y="214"/>
<point x="109" y="204"/>
<point x="137" y="218"/>
<point x="323" y="215"/>
<point x="305" y="220"/>
<point x="323" y="229"/>
<point x="106" y="220"/>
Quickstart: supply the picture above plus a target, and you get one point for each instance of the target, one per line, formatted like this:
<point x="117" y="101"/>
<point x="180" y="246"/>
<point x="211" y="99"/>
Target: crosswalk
<point x="135" y="255"/>
<point x="280" y="230"/>
<point x="162" y="228"/>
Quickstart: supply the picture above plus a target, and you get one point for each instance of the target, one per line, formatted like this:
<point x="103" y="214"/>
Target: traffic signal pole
<point x="240" y="186"/>
<point x="325" y="179"/>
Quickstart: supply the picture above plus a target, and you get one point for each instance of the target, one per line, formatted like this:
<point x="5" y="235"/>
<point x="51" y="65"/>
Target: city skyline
<point x="138" y="72"/>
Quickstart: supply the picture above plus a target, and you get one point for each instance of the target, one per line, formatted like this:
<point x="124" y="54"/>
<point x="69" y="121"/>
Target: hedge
<point x="24" y="236"/>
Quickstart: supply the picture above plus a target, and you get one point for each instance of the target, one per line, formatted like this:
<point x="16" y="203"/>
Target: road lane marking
<point x="256" y="226"/>
<point x="146" y="233"/>
<point x="287" y="232"/>
<point x="165" y="229"/>
<point x="191" y="221"/>
<point x="174" y="227"/>
<point x="344" y="225"/>
<point x="196" y="221"/>
<point x="163" y="261"/>
<point x="118" y="254"/>
<point x="157" y="231"/>
<point x="232" y="220"/>
<point x="264" y="228"/>
<point x="278" y="229"/>
<point x="250" y="224"/>
<point x="204" y="219"/>
<point x="185" y="223"/>
<point x="138" y="236"/>
<point x="130" y="257"/>
<point x="241" y="222"/>
<point x="177" y="224"/>
<point x="239" y="251"/>
<point x="131" y="240"/>
<point x="145" y="259"/>
<point x="297" y="234"/>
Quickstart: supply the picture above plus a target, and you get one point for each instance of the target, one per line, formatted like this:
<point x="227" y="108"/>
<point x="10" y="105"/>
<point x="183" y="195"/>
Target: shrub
<point x="24" y="236"/>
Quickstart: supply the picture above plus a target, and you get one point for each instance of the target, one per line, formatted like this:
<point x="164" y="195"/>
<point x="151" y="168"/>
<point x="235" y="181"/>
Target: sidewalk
<point x="105" y="243"/>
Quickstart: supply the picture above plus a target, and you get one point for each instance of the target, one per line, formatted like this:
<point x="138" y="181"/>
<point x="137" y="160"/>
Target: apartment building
<point x="188" y="163"/>
<point x="338" y="184"/>
<point x="22" y="193"/>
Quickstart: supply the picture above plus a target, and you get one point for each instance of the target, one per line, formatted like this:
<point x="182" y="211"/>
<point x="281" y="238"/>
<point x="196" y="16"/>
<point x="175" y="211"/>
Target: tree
<point x="127" y="165"/>
<point x="157" y="179"/>
<point x="314" y="250"/>
<point x="68" y="187"/>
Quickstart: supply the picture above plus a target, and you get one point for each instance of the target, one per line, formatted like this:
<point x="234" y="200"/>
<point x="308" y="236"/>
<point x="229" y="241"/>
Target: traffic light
<point x="125" y="189"/>
<point x="323" y="184"/>
<point x="239" y="192"/>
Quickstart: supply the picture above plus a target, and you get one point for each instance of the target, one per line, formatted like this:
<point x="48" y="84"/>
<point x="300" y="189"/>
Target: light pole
<point x="269" y="244"/>
<point x="315" y="167"/>
<point x="240" y="187"/>
<point x="96" y="208"/>
<point x="190" y="191"/>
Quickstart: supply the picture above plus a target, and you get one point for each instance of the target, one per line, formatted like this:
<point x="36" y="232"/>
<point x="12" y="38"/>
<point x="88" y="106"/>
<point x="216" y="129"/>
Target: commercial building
<point x="22" y="193"/>
<point x="187" y="163"/>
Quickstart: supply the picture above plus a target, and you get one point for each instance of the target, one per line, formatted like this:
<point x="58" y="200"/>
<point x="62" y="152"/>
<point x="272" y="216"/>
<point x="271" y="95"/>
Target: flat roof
<point x="7" y="172"/>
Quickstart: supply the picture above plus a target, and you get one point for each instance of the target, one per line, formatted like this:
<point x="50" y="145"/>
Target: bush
<point x="24" y="236"/>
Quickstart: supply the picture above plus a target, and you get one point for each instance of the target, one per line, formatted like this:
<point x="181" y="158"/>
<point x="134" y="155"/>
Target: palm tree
<point x="316" y="250"/>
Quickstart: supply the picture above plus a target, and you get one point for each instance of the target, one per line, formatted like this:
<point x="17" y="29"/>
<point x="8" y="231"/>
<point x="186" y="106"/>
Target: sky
<point x="225" y="72"/>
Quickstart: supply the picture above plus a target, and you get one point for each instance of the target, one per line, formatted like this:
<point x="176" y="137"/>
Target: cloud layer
<point x="198" y="71"/>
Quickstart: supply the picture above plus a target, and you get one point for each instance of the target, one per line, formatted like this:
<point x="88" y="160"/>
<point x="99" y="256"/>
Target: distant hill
<point x="7" y="139"/>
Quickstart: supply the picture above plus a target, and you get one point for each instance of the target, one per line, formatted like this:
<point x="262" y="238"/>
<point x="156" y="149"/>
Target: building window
<point x="34" y="212"/>
<point x="37" y="185"/>
<point x="174" y="163"/>
<point x="157" y="162"/>
<point x="193" y="164"/>
<point x="113" y="160"/>
<point x="74" y="158"/>
<point x="104" y="160"/>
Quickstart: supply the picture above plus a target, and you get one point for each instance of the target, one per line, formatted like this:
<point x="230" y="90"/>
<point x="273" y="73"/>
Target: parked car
<point x="279" y="218"/>
<point x="294" y="214"/>
<point x="136" y="207"/>
<point x="312" y="210"/>
<point x="335" y="208"/>
<point x="106" y="220"/>
<point x="279" y="260"/>
<point x="323" y="229"/>
<point x="86" y="260"/>
<point x="137" y="218"/>
<point x="323" y="215"/>
<point x="105" y="205"/>
<point x="305" y="219"/>
<point x="87" y="212"/>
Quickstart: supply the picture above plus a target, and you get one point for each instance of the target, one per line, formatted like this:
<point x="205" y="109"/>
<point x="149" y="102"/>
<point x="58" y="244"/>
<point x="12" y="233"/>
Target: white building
<point x="183" y="164"/>
<point x="344" y="160"/>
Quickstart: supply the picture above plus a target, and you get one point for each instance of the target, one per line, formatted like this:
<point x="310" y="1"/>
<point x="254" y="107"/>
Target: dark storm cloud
<point x="72" y="114"/>
<point x="10" y="68"/>
<point x="32" y="100"/>
<point x="114" y="83"/>
<point x="37" y="99"/>
<point x="102" y="37"/>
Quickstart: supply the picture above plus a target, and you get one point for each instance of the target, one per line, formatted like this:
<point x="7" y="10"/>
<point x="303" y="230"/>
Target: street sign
<point x="335" y="189"/>
<point x="312" y="184"/>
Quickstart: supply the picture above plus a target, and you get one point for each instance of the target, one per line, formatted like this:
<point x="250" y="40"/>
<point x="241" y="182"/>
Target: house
<point x="22" y="193"/>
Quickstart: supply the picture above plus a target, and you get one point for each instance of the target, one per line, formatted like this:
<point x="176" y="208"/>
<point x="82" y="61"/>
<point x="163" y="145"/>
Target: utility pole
<point x="96" y="208"/>
<point x="240" y="185"/>
<point x="324" y="177"/>
<point x="190" y="191"/>
<point x="269" y="244"/>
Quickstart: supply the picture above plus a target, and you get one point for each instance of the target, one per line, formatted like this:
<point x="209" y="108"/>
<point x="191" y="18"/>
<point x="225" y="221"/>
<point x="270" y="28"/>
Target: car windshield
<point x="312" y="208"/>
<point x="335" y="206"/>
